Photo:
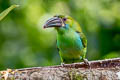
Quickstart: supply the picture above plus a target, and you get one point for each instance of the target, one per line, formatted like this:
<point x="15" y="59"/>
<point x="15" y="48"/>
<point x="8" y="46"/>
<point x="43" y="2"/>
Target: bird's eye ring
<point x="64" y="19"/>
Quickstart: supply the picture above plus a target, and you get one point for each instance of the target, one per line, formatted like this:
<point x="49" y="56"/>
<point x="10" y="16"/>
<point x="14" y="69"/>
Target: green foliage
<point x="5" y="12"/>
<point x="24" y="42"/>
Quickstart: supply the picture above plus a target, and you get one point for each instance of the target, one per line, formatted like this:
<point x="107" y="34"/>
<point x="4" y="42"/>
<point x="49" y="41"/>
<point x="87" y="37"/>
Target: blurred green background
<point x="24" y="42"/>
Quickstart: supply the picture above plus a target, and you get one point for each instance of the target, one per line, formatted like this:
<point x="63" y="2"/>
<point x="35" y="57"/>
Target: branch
<point x="99" y="70"/>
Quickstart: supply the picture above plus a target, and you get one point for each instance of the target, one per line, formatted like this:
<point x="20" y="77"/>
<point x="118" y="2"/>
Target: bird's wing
<point x="78" y="29"/>
<point x="84" y="40"/>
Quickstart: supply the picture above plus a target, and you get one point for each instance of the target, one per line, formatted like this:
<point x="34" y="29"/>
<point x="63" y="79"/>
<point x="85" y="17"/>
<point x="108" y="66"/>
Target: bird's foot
<point x="87" y="63"/>
<point x="63" y="64"/>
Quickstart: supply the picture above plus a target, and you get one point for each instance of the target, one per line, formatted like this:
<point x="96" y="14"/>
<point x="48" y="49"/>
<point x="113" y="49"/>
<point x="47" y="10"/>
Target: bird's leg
<point x="87" y="63"/>
<point x="62" y="63"/>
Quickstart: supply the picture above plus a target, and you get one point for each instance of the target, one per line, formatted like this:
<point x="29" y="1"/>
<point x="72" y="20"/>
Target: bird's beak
<point x="53" y="22"/>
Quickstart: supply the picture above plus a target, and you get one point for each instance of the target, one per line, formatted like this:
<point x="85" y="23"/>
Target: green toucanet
<point x="71" y="41"/>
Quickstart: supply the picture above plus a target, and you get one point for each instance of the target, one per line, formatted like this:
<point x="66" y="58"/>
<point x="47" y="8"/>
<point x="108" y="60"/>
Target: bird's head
<point x="62" y="23"/>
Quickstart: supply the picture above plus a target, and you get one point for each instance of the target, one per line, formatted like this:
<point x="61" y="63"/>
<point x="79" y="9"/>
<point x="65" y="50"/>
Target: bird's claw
<point x="63" y="64"/>
<point x="87" y="63"/>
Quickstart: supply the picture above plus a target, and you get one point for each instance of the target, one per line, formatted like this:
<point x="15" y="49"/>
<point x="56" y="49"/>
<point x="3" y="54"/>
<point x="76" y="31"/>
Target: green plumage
<point x="72" y="46"/>
<point x="71" y="41"/>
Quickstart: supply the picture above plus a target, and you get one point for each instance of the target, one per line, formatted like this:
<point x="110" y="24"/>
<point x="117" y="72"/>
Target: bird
<point x="71" y="41"/>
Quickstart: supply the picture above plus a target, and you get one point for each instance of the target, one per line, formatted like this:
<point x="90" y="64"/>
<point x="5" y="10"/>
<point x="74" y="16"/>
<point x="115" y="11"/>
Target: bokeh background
<point x="24" y="42"/>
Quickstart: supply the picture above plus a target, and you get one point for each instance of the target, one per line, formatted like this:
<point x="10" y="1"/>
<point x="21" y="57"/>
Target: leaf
<point x="5" y="12"/>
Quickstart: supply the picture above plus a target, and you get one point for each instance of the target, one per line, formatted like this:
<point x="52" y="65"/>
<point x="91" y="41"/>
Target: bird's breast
<point x="69" y="43"/>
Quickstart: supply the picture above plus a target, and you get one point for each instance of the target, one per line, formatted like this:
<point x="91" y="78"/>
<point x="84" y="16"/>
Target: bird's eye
<point x="64" y="19"/>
